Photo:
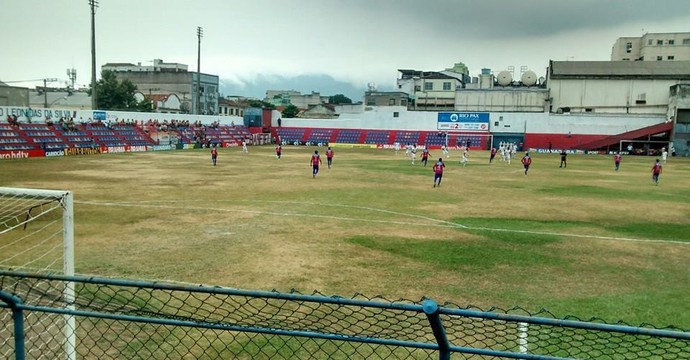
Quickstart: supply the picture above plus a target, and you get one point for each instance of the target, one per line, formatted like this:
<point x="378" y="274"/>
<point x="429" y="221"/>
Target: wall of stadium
<point x="24" y="114"/>
<point x="633" y="96"/>
<point x="500" y="122"/>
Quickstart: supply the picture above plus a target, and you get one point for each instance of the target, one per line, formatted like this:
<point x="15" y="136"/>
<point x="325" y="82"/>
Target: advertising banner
<point x="82" y="151"/>
<point x="463" y="121"/>
<point x="20" y="154"/>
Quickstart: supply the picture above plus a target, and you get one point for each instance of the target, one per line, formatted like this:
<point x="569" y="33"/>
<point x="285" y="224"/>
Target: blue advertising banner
<point x="463" y="121"/>
<point x="99" y="115"/>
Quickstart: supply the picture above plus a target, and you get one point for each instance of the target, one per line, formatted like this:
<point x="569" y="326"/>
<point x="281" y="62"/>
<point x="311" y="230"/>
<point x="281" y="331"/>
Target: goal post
<point x="37" y="235"/>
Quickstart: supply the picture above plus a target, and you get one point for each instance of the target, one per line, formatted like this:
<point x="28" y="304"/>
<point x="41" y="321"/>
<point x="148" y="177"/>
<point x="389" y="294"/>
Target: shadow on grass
<point x="467" y="256"/>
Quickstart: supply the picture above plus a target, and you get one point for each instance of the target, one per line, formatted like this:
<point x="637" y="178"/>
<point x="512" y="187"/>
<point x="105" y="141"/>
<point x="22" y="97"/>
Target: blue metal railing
<point x="424" y="328"/>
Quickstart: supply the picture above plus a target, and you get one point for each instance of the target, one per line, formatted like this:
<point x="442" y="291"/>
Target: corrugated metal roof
<point x="618" y="69"/>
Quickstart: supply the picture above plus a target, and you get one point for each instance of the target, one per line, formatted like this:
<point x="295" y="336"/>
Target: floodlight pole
<point x="199" y="34"/>
<point x="45" y="91"/>
<point x="94" y="94"/>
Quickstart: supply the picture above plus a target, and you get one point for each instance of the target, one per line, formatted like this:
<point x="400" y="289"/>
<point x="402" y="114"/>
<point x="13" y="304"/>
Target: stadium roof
<point x="679" y="70"/>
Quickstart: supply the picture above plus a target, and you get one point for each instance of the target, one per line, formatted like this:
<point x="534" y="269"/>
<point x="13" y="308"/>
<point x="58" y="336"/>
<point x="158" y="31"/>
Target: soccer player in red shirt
<point x="493" y="154"/>
<point x="329" y="157"/>
<point x="526" y="162"/>
<point x="214" y="155"/>
<point x="656" y="171"/>
<point x="279" y="150"/>
<point x="438" y="171"/>
<point x="425" y="155"/>
<point x="617" y="160"/>
<point x="315" y="162"/>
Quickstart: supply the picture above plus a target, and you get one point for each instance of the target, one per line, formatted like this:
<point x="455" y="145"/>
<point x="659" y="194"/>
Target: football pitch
<point x="583" y="240"/>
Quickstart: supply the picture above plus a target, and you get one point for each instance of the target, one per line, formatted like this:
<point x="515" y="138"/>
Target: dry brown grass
<point x="259" y="223"/>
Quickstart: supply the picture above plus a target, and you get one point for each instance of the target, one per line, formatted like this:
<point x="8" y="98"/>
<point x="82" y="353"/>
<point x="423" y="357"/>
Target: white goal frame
<point x="65" y="200"/>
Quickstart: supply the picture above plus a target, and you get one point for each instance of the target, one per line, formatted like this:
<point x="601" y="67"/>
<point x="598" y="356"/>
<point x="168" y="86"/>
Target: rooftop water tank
<point x="529" y="78"/>
<point x="504" y="78"/>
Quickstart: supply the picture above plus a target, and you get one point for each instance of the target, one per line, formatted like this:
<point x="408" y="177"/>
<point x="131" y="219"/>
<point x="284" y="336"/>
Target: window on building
<point x="446" y="85"/>
<point x="589" y="110"/>
<point x="417" y="88"/>
<point x="659" y="42"/>
<point x="659" y="58"/>
<point x="686" y="41"/>
<point x="371" y="102"/>
<point x="671" y="42"/>
<point x="403" y="102"/>
<point x="391" y="102"/>
<point x="626" y="59"/>
<point x="428" y="86"/>
<point x="628" y="47"/>
<point x="649" y="42"/>
<point x="396" y="114"/>
<point x="670" y="57"/>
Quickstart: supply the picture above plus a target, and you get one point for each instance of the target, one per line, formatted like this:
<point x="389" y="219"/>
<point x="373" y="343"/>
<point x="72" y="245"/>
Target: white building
<point x="652" y="47"/>
<point x="637" y="87"/>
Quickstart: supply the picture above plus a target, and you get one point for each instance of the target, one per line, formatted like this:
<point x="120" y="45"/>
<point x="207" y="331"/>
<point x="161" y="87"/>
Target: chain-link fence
<point x="118" y="319"/>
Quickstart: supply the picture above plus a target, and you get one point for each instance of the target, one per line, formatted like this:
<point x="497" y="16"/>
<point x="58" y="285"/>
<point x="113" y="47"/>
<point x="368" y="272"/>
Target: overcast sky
<point x="356" y="41"/>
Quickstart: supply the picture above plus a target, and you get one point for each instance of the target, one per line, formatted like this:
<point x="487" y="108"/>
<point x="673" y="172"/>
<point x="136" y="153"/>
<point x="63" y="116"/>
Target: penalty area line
<point x="438" y="222"/>
<point x="258" y="212"/>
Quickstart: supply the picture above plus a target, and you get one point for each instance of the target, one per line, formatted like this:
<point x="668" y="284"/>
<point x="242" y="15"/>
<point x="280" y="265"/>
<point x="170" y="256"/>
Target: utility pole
<point x="199" y="34"/>
<point x="94" y="94"/>
<point x="45" y="91"/>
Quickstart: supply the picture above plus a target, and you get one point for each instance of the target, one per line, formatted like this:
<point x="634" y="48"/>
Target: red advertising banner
<point x="20" y="154"/>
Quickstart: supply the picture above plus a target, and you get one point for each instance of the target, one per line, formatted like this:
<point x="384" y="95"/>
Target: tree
<point x="339" y="99"/>
<point x="290" y="111"/>
<point x="261" y="104"/>
<point x="115" y="95"/>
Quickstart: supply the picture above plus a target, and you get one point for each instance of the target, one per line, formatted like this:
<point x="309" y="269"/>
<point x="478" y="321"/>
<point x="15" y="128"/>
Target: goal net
<point x="476" y="140"/>
<point x="37" y="235"/>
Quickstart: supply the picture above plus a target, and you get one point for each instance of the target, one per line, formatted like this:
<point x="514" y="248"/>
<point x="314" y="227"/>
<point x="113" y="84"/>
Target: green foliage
<point x="261" y="104"/>
<point x="115" y="95"/>
<point x="290" y="111"/>
<point x="339" y="99"/>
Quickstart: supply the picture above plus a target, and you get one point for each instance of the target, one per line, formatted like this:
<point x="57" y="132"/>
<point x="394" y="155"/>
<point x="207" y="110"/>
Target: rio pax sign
<point x="463" y="121"/>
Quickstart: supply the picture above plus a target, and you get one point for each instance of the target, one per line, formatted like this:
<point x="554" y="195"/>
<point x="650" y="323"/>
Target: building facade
<point x="615" y="87"/>
<point x="228" y="107"/>
<point x="287" y="97"/>
<point x="652" y="47"/>
<point x="429" y="90"/>
<point x="386" y="98"/>
<point x="172" y="78"/>
<point x="13" y="95"/>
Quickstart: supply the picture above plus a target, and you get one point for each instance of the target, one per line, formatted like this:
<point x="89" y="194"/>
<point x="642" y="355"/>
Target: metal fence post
<point x="430" y="308"/>
<point x="18" y="316"/>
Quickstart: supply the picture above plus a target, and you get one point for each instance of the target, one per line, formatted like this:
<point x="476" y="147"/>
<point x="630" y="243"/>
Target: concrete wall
<point x="14" y="96"/>
<point x="497" y="99"/>
<point x="611" y="96"/>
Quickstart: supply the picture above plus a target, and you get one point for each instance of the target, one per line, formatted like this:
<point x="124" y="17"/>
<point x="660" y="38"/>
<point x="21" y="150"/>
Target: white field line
<point x="435" y="222"/>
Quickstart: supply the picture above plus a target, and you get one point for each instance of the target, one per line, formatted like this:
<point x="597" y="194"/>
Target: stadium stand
<point x="320" y="136"/>
<point x="291" y="135"/>
<point x="435" y="139"/>
<point x="407" y="137"/>
<point x="348" y="136"/>
<point x="377" y="137"/>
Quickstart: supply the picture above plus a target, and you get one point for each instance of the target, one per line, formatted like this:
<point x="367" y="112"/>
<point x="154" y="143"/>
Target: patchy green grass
<point x="580" y="240"/>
